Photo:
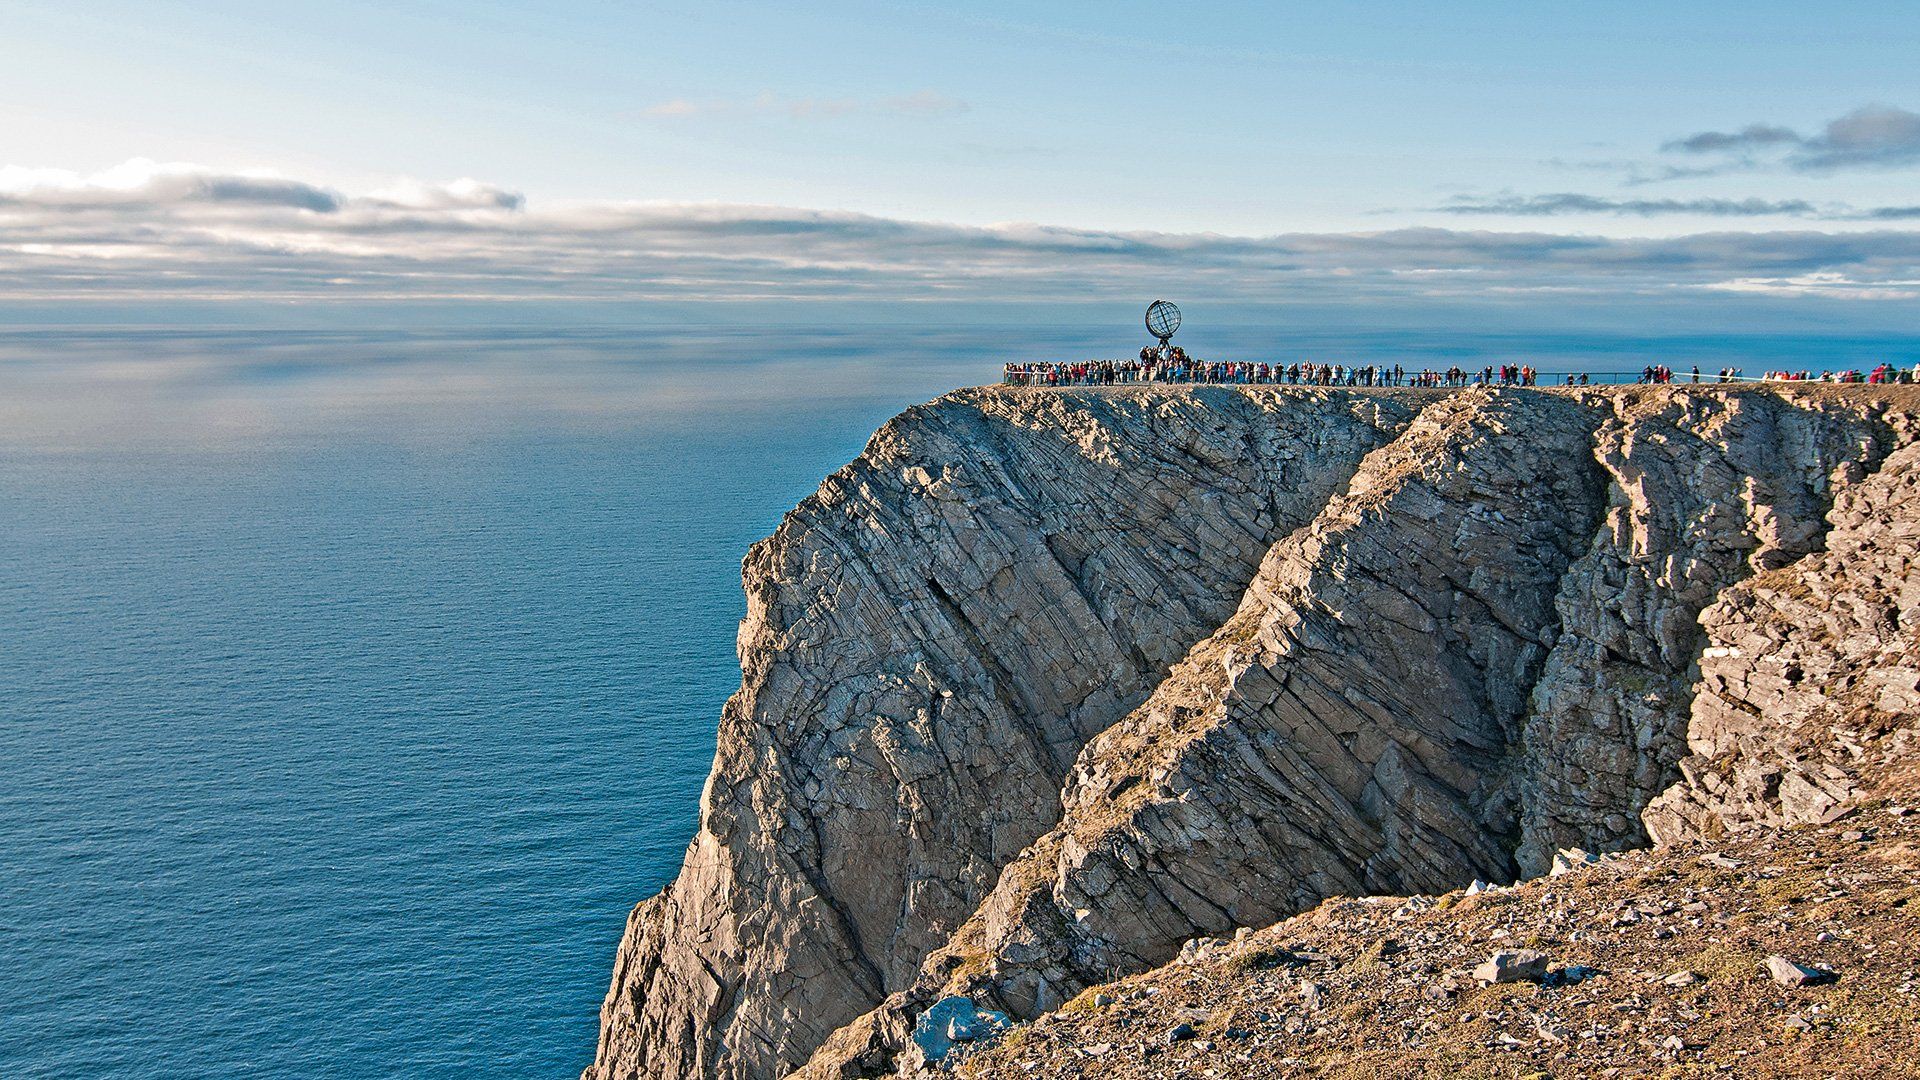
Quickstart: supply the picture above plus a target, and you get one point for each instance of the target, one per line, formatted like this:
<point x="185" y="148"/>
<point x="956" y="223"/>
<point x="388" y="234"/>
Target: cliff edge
<point x="1048" y="683"/>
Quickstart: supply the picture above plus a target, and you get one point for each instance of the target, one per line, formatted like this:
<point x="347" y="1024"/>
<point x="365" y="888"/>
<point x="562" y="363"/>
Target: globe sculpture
<point x="1163" y="318"/>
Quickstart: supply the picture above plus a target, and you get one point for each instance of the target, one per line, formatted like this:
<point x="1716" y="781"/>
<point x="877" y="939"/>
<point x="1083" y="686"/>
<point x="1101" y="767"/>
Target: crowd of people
<point x="1884" y="373"/>
<point x="1175" y="366"/>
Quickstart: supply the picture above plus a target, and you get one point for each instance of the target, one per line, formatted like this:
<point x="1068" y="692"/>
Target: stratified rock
<point x="1788" y="723"/>
<point x="1343" y="732"/>
<point x="930" y="639"/>
<point x="1706" y="488"/>
<point x="1048" y="684"/>
<point x="1569" y="860"/>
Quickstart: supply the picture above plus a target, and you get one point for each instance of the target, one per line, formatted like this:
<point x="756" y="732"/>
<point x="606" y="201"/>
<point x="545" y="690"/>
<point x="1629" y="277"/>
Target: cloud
<point x="1512" y="205"/>
<point x="144" y="182"/>
<point x="1571" y="203"/>
<point x="1872" y="136"/>
<point x="462" y="194"/>
<point x="1641" y="174"/>
<point x="919" y="103"/>
<point x="1823" y="284"/>
<point x="1751" y="137"/>
<point x="192" y="234"/>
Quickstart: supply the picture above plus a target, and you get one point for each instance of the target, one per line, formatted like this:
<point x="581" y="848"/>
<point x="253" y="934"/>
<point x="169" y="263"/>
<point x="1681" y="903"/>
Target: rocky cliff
<point x="1047" y="683"/>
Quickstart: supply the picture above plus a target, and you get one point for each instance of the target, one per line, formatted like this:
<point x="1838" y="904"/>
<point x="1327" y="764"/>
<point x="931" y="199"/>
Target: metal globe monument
<point x="1163" y="318"/>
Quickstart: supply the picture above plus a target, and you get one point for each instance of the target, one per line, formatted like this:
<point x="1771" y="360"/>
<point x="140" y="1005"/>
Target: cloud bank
<point x="1567" y="202"/>
<point x="1870" y="137"/>
<point x="153" y="232"/>
<point x="1572" y="203"/>
<point x="150" y="186"/>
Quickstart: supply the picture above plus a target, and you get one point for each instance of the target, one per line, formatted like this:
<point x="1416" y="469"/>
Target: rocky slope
<point x="1048" y="683"/>
<point x="1650" y="963"/>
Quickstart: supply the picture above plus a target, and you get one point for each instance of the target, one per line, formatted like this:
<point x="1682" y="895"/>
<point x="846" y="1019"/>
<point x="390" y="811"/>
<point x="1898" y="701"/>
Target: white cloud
<point x="150" y="231"/>
<point x="142" y="181"/>
<point x="465" y="193"/>
<point x="1831" y="285"/>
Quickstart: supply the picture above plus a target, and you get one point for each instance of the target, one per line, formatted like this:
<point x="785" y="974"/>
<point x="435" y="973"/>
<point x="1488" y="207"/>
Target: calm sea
<point x="353" y="685"/>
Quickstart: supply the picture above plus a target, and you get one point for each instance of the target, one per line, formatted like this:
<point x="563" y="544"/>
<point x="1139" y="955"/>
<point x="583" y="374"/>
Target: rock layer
<point x="1810" y="681"/>
<point x="1046" y="683"/>
<point x="930" y="639"/>
<point x="1706" y="488"/>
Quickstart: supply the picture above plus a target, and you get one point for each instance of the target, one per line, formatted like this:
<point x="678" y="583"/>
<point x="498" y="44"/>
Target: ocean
<point x="355" y="683"/>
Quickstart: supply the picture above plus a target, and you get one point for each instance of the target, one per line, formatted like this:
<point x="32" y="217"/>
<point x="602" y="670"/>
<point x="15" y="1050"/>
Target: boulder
<point x="1522" y="965"/>
<point x="1787" y="973"/>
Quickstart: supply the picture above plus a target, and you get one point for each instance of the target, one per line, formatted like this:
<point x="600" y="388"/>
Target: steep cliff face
<point x="1810" y="679"/>
<point x="1047" y="683"/>
<point x="1706" y="488"/>
<point x="930" y="640"/>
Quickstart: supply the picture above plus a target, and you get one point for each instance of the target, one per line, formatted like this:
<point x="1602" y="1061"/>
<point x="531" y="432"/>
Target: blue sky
<point x="848" y="150"/>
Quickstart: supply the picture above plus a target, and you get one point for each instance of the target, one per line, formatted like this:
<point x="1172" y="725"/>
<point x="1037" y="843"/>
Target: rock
<point x="929" y="640"/>
<point x="954" y="1020"/>
<point x="1312" y="996"/>
<point x="1796" y="1022"/>
<point x="1787" y="973"/>
<point x="1524" y="965"/>
<point x="1574" y="975"/>
<point x="1076" y="677"/>
<point x="1748" y="764"/>
<point x="1179" y="1033"/>
<point x="1568" y="860"/>
<point x="1477" y="887"/>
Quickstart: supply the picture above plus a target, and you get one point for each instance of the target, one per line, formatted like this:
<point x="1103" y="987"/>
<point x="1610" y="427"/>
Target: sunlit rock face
<point x="930" y="640"/>
<point x="1046" y="683"/>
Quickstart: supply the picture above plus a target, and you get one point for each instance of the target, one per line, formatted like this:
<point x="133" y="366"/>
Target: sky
<point x="1740" y="161"/>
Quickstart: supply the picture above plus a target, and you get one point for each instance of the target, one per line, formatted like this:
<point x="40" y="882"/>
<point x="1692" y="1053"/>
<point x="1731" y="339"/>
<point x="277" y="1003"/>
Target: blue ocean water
<point x="354" y="684"/>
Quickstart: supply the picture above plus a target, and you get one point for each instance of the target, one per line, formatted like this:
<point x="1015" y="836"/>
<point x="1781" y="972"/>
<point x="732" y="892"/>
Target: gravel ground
<point x="1654" y="964"/>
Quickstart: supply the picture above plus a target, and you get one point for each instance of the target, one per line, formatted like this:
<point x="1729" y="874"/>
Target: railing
<point x="1096" y="373"/>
